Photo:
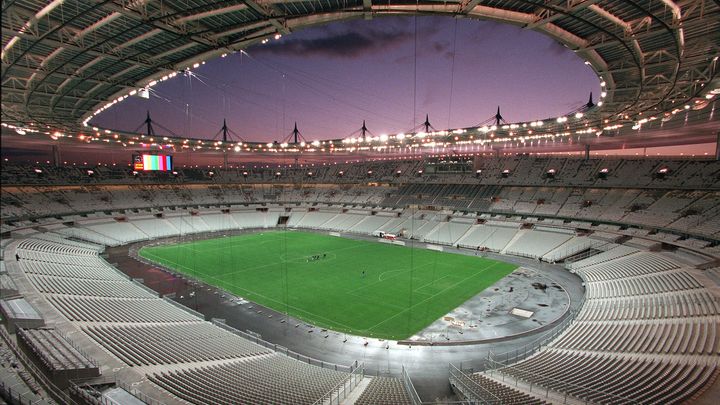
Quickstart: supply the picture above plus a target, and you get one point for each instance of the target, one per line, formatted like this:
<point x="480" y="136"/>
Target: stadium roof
<point x="65" y="60"/>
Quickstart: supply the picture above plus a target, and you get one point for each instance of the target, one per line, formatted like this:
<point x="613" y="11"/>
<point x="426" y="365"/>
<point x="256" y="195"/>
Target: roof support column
<point x="56" y="155"/>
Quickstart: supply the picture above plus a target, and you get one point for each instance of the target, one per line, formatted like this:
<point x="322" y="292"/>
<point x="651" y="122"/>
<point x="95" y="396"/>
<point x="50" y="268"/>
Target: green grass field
<point x="403" y="290"/>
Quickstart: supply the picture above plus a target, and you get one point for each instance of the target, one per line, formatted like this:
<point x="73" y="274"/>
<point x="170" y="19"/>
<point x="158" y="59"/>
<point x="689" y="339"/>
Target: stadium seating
<point x="611" y="252"/>
<point x="610" y="378"/>
<point x="384" y="391"/>
<point x="571" y="247"/>
<point x="71" y="271"/>
<point x="447" y="233"/>
<point x="101" y="309"/>
<point x="93" y="288"/>
<point x="669" y="337"/>
<point x="647" y="331"/>
<point x="628" y="266"/>
<point x="163" y="343"/>
<point x="123" y="232"/>
<point x="315" y="219"/>
<point x="91" y="236"/>
<point x="501" y="392"/>
<point x="369" y="224"/>
<point x="678" y="305"/>
<point x="537" y="244"/>
<point x="264" y="379"/>
<point x="341" y="222"/>
<point x="142" y="330"/>
<point x="500" y="236"/>
<point x="647" y="322"/>
<point x="55" y="352"/>
<point x="16" y="383"/>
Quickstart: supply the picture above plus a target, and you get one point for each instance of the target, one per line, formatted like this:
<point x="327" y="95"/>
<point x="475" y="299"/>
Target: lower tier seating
<point x="93" y="309"/>
<point x="501" y="392"/>
<point x="384" y="391"/>
<point x="612" y="378"/>
<point x="139" y="345"/>
<point x="53" y="350"/>
<point x="273" y="379"/>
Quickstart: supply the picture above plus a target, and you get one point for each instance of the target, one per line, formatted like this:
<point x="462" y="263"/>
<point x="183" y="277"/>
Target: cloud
<point x="428" y="30"/>
<point x="344" y="45"/>
<point x="440" y="47"/>
<point x="405" y="59"/>
<point x="444" y="49"/>
<point x="356" y="38"/>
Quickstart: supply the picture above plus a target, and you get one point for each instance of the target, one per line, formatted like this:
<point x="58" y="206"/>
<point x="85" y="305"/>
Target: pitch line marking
<point x="379" y="281"/>
<point x="386" y="304"/>
<point x="332" y="322"/>
<point x="268" y="298"/>
<point x="233" y="244"/>
<point x="279" y="263"/>
<point x="417" y="290"/>
<point x="433" y="296"/>
<point x="380" y="276"/>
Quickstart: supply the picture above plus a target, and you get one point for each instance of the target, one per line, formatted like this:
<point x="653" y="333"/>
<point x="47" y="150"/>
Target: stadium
<point x="547" y="260"/>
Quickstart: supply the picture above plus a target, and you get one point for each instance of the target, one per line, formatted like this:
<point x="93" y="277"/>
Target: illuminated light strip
<point x="334" y="145"/>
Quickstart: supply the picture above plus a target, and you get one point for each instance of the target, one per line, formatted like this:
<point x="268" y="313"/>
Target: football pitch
<point x="360" y="287"/>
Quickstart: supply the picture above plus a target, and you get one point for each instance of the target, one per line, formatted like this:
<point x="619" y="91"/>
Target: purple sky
<point x="331" y="78"/>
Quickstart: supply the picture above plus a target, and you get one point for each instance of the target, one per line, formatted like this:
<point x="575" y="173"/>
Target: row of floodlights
<point x="275" y="147"/>
<point x="144" y="91"/>
<point x="550" y="173"/>
<point x="401" y="136"/>
<point x="40" y="172"/>
<point x="382" y="138"/>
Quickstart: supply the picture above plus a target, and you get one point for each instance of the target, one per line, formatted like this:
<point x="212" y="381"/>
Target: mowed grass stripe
<point x="218" y="281"/>
<point x="394" y="299"/>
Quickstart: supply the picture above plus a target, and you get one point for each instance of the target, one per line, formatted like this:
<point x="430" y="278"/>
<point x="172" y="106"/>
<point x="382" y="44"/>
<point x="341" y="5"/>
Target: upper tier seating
<point x="684" y="200"/>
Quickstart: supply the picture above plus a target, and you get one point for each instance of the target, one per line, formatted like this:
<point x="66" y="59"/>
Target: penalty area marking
<point x="380" y="276"/>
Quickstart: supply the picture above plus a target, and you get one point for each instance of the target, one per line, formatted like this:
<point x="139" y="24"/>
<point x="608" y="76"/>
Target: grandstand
<point x="649" y="308"/>
<point x="623" y="249"/>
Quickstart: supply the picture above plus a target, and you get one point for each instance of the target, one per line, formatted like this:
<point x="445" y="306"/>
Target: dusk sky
<point x="331" y="78"/>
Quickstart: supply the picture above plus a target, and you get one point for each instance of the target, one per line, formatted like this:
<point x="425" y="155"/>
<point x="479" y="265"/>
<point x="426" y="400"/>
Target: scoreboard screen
<point x="152" y="162"/>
